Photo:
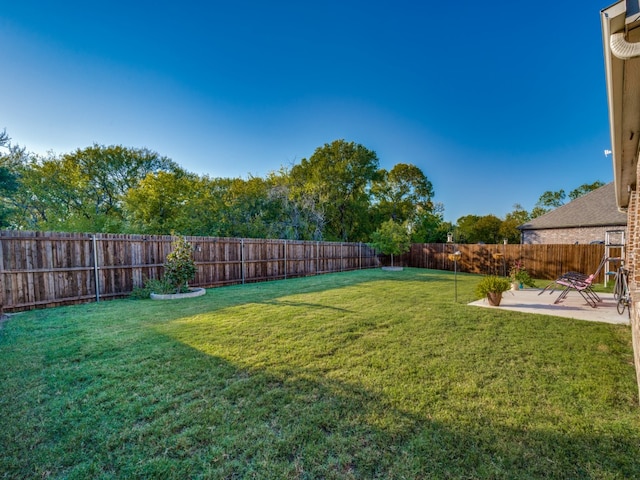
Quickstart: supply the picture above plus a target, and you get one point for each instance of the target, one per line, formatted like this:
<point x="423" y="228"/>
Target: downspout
<point x="621" y="48"/>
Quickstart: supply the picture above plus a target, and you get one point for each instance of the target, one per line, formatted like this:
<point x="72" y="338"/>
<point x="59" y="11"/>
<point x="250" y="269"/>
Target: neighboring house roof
<point x="594" y="209"/>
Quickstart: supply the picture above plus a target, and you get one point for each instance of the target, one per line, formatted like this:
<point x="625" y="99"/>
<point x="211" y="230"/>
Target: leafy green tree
<point x="391" y="238"/>
<point x="338" y="176"/>
<point x="180" y="267"/>
<point x="105" y="174"/>
<point x="465" y="229"/>
<point x="538" y="211"/>
<point x="84" y="190"/>
<point x="247" y="208"/>
<point x="159" y="203"/>
<point x="551" y="199"/>
<point x="227" y="207"/>
<point x="547" y="202"/>
<point x="585" y="188"/>
<point x="487" y="229"/>
<point x="402" y="194"/>
<point x="11" y="157"/>
<point x="476" y="229"/>
<point x="430" y="227"/>
<point x="511" y="222"/>
<point x="207" y="206"/>
<point x="49" y="197"/>
<point x="296" y="213"/>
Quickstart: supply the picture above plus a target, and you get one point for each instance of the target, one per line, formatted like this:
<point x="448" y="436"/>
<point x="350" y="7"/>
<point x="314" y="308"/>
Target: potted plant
<point x="492" y="287"/>
<point x="391" y="239"/>
<point x="520" y="277"/>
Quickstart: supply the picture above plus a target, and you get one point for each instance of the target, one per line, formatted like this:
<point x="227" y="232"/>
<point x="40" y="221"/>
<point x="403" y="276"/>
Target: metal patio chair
<point x="579" y="282"/>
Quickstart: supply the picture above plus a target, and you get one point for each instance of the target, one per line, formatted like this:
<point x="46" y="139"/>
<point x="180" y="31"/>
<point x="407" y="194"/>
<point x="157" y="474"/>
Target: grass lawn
<point x="365" y="374"/>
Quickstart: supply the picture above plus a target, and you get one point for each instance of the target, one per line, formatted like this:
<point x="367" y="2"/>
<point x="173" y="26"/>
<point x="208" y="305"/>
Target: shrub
<point x="492" y="283"/>
<point x="152" y="285"/>
<point x="180" y="266"/>
<point x="519" y="274"/>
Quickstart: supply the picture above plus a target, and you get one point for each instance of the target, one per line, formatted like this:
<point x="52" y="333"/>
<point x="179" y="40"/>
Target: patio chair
<point x="579" y="282"/>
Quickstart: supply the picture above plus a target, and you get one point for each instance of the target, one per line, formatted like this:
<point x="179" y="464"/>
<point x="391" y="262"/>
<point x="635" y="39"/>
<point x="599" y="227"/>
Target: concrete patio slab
<point x="574" y="306"/>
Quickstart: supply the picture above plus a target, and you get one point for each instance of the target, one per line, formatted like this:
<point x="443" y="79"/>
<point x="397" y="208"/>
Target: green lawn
<point x="366" y="374"/>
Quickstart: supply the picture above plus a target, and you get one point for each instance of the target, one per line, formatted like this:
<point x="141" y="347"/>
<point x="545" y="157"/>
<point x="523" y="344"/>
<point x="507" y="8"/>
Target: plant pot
<point x="515" y="286"/>
<point x="494" y="298"/>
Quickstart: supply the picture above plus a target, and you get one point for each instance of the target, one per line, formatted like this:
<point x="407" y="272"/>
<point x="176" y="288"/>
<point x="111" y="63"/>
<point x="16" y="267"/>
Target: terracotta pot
<point x="494" y="298"/>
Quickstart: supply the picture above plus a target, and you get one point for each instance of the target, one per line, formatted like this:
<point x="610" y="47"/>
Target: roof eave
<point x="624" y="115"/>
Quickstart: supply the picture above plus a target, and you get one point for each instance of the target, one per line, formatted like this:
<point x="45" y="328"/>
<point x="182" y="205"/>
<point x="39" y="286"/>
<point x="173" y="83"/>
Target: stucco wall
<point x="566" y="235"/>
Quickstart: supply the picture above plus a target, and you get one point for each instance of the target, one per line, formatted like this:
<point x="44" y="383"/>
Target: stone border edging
<point x="195" y="292"/>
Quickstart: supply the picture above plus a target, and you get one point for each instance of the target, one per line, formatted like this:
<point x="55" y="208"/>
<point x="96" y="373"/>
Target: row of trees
<point x="340" y="193"/>
<point x="491" y="229"/>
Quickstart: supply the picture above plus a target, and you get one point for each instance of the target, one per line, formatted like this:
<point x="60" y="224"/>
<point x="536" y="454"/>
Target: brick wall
<point x="579" y="235"/>
<point x="633" y="255"/>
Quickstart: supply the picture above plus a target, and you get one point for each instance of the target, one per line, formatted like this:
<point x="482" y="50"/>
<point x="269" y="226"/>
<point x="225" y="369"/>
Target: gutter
<point x="621" y="48"/>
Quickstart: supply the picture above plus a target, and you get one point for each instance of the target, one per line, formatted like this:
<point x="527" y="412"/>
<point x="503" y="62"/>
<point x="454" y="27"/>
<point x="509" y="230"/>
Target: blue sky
<point x="496" y="102"/>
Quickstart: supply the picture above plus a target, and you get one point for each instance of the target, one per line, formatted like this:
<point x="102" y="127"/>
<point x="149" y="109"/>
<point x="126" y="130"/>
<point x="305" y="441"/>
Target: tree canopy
<point x="392" y="238"/>
<point x="329" y="196"/>
<point x="340" y="193"/>
<point x="338" y="176"/>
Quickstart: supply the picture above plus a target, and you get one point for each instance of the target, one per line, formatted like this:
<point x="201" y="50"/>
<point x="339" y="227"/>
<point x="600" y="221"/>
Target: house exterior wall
<point x="633" y="264"/>
<point x="567" y="235"/>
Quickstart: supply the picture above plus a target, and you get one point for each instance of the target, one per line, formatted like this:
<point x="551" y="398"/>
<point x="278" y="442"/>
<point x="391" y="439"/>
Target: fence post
<point x="242" y="259"/>
<point x="426" y="255"/>
<point x="285" y="259"/>
<point x="95" y="267"/>
<point x="2" y="300"/>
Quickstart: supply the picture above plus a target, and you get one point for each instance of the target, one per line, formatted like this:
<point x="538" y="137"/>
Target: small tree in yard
<point x="391" y="239"/>
<point x="180" y="266"/>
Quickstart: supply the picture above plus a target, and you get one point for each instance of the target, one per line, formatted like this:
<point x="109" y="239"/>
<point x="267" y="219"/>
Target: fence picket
<point x="40" y="269"/>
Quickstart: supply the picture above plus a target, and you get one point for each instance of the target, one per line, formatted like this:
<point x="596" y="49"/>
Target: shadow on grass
<point x="176" y="412"/>
<point x="329" y="428"/>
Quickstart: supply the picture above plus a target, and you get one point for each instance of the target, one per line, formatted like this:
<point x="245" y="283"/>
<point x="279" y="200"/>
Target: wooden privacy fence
<point x="541" y="261"/>
<point x="41" y="269"/>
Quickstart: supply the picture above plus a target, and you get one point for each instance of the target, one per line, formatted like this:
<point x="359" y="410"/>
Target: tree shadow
<point x="341" y="428"/>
